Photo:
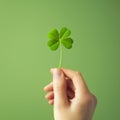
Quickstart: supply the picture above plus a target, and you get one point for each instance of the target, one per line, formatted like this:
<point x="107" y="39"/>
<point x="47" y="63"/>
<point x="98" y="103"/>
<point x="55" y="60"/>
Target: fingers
<point x="50" y="95"/>
<point x="59" y="86"/>
<point x="51" y="102"/>
<point x="76" y="78"/>
<point x="49" y="87"/>
<point x="66" y="85"/>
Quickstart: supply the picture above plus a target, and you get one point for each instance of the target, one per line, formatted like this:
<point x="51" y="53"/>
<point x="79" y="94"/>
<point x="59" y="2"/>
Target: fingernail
<point x="56" y="73"/>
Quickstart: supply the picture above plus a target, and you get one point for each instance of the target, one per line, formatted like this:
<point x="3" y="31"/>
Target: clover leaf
<point x="57" y="39"/>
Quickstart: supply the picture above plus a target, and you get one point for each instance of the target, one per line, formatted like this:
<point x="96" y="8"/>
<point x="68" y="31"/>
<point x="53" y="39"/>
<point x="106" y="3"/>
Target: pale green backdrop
<point x="25" y="59"/>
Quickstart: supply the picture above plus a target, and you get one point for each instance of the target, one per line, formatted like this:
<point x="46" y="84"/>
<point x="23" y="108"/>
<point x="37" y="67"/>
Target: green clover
<point x="58" y="39"/>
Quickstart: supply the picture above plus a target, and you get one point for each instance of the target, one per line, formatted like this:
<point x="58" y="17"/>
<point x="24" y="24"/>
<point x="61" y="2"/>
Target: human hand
<point x="70" y="96"/>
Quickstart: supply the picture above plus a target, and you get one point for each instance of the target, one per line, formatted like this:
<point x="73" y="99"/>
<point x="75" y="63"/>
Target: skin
<point x="70" y="96"/>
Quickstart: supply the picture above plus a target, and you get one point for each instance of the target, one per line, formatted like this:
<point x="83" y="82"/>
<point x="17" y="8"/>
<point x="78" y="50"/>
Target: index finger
<point x="77" y="79"/>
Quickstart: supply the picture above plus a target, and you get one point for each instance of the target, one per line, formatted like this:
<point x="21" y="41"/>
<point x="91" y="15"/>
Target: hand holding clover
<point x="68" y="91"/>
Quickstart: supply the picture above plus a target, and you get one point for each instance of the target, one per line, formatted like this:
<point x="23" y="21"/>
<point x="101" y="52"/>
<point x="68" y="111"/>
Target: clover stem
<point x="60" y="59"/>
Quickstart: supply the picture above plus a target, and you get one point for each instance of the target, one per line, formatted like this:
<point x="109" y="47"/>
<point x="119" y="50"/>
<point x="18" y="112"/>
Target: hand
<point x="70" y="96"/>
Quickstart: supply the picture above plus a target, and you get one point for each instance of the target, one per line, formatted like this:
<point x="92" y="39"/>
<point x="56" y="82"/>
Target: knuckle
<point x="91" y="99"/>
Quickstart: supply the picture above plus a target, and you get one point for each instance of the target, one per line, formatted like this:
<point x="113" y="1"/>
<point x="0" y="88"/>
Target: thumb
<point x="60" y="87"/>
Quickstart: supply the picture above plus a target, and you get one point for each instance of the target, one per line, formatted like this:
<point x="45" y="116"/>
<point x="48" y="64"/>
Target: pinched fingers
<point x="50" y="95"/>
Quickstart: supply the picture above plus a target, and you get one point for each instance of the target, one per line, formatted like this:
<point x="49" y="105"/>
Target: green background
<point x="25" y="59"/>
